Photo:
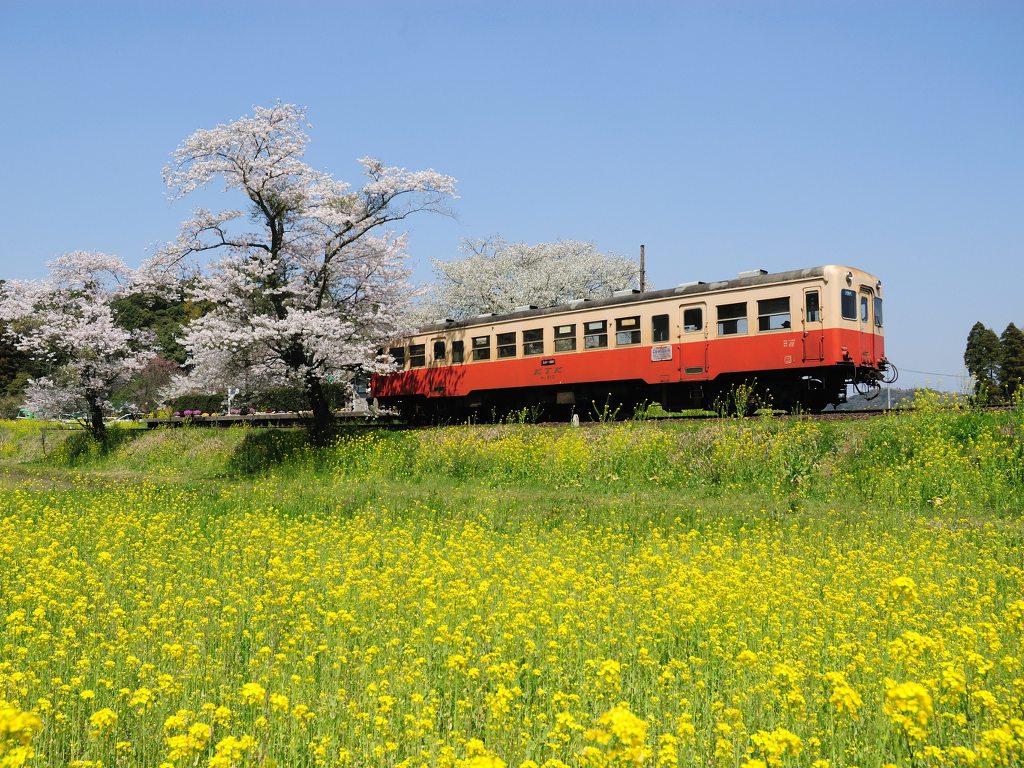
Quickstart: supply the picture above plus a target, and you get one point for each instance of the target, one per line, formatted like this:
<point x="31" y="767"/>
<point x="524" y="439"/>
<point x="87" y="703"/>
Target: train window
<point x="482" y="348"/>
<point x="398" y="355"/>
<point x="417" y="355"/>
<point x="595" y="334"/>
<point x="659" y="328"/>
<point x="864" y="308"/>
<point x="533" y="342"/>
<point x="439" y="354"/>
<point x="848" y="304"/>
<point x="732" y="319"/>
<point x="878" y="312"/>
<point x="693" y="320"/>
<point x="565" y="338"/>
<point x="506" y="344"/>
<point x="627" y="331"/>
<point x="813" y="307"/>
<point x="457" y="351"/>
<point x="773" y="314"/>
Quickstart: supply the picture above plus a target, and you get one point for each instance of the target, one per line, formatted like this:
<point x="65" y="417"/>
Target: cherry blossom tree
<point x="66" y="323"/>
<point x="495" y="276"/>
<point x="318" y="285"/>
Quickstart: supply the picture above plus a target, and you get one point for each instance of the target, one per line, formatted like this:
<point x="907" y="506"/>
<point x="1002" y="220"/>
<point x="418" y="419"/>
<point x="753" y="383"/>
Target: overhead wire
<point x="964" y="375"/>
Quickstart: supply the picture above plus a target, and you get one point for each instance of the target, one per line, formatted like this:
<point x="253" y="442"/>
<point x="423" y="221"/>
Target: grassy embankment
<point x="725" y="593"/>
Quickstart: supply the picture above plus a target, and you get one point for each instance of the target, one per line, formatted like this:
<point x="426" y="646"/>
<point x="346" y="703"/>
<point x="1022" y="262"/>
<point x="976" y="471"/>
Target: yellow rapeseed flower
<point x="909" y="705"/>
<point x="102" y="721"/>
<point x="253" y="693"/>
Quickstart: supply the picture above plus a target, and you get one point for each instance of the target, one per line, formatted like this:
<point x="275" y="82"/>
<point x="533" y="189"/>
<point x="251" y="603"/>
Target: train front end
<point x="852" y="328"/>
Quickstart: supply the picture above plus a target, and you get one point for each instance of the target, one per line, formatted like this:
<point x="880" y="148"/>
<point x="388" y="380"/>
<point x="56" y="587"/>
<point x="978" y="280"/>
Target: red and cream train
<point x="801" y="336"/>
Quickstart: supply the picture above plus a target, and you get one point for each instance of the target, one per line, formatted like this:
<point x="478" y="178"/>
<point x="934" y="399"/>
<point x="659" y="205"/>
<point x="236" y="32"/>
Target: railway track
<point x="357" y="419"/>
<point x="853" y="414"/>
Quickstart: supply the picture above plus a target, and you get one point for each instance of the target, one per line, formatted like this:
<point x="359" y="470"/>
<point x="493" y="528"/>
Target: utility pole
<point x="643" y="270"/>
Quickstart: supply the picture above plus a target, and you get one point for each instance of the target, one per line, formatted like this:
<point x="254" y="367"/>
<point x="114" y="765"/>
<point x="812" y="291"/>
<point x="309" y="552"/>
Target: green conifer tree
<point x="1012" y="367"/>
<point x="983" y="357"/>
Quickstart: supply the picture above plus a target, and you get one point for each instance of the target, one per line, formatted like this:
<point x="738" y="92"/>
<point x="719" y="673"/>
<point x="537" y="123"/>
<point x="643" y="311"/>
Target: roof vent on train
<point x="754" y="273"/>
<point x="625" y="292"/>
<point x="691" y="283"/>
<point x="486" y="314"/>
<point x="524" y="307"/>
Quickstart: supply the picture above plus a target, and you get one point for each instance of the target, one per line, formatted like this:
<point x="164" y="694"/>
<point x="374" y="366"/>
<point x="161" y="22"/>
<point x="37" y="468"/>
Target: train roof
<point x="745" y="280"/>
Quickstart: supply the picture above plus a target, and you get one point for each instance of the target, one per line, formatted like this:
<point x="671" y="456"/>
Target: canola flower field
<point x="755" y="593"/>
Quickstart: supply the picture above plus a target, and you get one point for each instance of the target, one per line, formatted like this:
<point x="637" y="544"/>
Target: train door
<point x="814" y="330"/>
<point x="694" y="340"/>
<point x="867" y="331"/>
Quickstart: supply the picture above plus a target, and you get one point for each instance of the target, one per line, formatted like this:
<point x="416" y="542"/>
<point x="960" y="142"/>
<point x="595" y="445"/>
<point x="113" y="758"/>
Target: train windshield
<point x="878" y="312"/>
<point x="848" y="304"/>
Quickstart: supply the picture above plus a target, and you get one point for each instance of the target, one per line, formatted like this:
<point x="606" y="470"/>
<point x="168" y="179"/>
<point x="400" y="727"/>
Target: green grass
<point x="938" y="457"/>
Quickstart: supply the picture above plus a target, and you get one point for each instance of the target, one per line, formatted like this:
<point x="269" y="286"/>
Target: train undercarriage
<point x="809" y="390"/>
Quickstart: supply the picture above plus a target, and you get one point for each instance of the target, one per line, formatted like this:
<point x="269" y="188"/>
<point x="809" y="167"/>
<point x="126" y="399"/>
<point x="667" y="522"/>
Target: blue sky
<point x="725" y="136"/>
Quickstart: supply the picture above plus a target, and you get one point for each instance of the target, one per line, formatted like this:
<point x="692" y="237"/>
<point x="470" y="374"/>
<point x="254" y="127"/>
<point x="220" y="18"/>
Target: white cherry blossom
<point x="303" y="288"/>
<point x="67" y="323"/>
<point x="496" y="276"/>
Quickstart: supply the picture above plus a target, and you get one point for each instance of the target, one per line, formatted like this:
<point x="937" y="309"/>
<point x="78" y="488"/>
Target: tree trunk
<point x="96" y="427"/>
<point x="322" y="431"/>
